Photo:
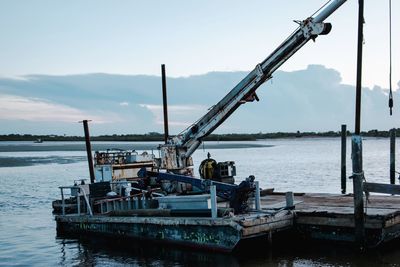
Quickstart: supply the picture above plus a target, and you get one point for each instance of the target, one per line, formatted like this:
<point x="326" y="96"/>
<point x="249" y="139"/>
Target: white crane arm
<point x="176" y="154"/>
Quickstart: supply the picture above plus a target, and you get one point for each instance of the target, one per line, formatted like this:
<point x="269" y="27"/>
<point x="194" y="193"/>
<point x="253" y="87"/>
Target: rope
<point x="390" y="58"/>
<point x="367" y="200"/>
<point x="357" y="173"/>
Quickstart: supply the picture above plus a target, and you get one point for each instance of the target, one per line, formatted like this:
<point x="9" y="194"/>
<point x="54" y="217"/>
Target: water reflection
<point x="103" y="251"/>
<point x="109" y="252"/>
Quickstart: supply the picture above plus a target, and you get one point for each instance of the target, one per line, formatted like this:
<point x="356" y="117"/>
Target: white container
<point x="144" y="157"/>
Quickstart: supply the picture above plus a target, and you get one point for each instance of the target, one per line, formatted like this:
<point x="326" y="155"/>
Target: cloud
<point x="124" y="104"/>
<point x="181" y="115"/>
<point x="40" y="110"/>
<point x="311" y="99"/>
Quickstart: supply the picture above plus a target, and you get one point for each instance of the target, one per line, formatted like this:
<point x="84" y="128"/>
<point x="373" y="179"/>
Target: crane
<point x="176" y="153"/>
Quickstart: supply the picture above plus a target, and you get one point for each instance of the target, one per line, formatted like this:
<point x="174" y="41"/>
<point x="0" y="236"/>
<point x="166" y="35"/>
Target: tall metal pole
<point x="359" y="64"/>
<point x="343" y="158"/>
<point x="165" y="105"/>
<point x="88" y="150"/>
<point x="356" y="154"/>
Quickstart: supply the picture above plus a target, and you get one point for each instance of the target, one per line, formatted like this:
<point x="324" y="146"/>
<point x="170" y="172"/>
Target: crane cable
<point x="390" y="58"/>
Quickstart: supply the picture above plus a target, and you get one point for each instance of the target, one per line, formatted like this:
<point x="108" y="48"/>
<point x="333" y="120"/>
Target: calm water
<point x="30" y="180"/>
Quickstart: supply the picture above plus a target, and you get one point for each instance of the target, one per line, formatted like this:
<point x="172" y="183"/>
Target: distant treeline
<point x="154" y="136"/>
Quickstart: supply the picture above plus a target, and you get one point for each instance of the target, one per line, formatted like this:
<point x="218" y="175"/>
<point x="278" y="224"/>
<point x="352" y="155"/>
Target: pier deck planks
<point x="331" y="216"/>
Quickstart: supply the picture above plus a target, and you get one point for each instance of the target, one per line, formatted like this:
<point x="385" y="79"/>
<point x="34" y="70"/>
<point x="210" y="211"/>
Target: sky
<point x="190" y="37"/>
<point x="52" y="50"/>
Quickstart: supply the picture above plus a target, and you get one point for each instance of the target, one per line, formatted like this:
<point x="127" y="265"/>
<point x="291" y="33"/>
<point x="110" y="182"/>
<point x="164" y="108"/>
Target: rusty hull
<point x="221" y="234"/>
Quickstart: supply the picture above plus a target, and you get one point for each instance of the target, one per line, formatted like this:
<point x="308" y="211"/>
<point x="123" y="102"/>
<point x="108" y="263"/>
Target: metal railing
<point x="137" y="201"/>
<point x="80" y="193"/>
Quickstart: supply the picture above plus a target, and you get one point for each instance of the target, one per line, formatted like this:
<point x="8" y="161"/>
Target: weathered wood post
<point x="289" y="196"/>
<point x="392" y="156"/>
<point x="62" y="201"/>
<point x="356" y="156"/>
<point x="356" y="153"/>
<point x="343" y="160"/>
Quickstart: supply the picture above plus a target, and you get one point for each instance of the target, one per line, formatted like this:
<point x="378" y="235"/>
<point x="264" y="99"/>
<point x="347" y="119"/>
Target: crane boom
<point x="177" y="153"/>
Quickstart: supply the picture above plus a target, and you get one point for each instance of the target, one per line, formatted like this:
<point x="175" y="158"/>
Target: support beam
<point x="343" y="159"/>
<point x="390" y="189"/>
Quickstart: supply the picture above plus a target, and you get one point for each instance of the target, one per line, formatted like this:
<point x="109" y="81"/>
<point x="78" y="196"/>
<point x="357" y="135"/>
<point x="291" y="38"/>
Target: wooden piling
<point x="356" y="156"/>
<point x="62" y="201"/>
<point x="289" y="199"/>
<point x="343" y="159"/>
<point x="392" y="156"/>
<point x="356" y="151"/>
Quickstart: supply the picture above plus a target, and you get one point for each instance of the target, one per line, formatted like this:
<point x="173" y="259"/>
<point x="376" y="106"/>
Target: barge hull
<point x="185" y="232"/>
<point x="222" y="234"/>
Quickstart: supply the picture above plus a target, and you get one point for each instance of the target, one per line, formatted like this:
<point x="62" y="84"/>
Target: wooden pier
<point x="330" y="217"/>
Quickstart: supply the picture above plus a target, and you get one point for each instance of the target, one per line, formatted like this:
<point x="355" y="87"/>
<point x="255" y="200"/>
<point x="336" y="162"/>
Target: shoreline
<point x="66" y="146"/>
<point x="158" y="137"/>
